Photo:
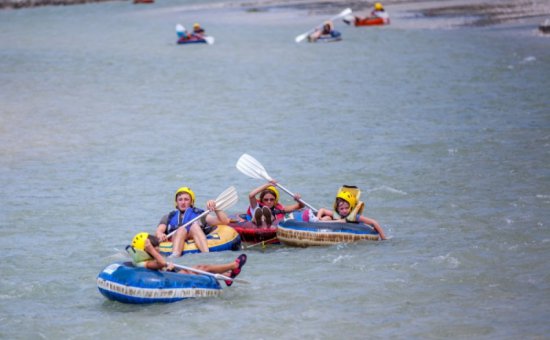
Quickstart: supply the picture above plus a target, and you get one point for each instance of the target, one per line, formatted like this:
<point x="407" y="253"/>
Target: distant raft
<point x="221" y="238"/>
<point x="299" y="233"/>
<point x="333" y="37"/>
<point x="367" y="21"/>
<point x="196" y="39"/>
<point x="125" y="283"/>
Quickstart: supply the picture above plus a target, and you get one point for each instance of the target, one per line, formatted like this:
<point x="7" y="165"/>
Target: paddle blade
<point x="249" y="166"/>
<point x="209" y="40"/>
<point x="301" y="37"/>
<point x="227" y="199"/>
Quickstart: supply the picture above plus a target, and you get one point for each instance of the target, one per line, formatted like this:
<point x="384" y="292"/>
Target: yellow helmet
<point x="273" y="190"/>
<point x="196" y="25"/>
<point x="138" y="242"/>
<point x="378" y="6"/>
<point x="346" y="196"/>
<point x="187" y="191"/>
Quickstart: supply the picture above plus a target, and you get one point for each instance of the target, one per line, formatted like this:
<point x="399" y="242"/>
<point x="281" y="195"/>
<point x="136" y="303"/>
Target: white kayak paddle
<point x="301" y="37"/>
<point x="249" y="166"/>
<point x="225" y="200"/>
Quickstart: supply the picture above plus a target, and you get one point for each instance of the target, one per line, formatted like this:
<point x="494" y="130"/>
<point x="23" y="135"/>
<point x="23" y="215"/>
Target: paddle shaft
<point x="188" y="223"/>
<point x="216" y="276"/>
<point x="300" y="200"/>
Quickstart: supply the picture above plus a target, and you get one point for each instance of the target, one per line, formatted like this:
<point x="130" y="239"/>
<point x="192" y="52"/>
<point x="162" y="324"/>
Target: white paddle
<point x="225" y="200"/>
<point x="217" y="276"/>
<point x="305" y="35"/>
<point x="209" y="39"/>
<point x="249" y="166"/>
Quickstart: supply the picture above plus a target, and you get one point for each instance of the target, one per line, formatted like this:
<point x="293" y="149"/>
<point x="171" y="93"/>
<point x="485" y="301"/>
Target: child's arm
<point x="295" y="206"/>
<point x="221" y="216"/>
<point x="158" y="262"/>
<point x="370" y="221"/>
<point x="253" y="193"/>
<point x="324" y="212"/>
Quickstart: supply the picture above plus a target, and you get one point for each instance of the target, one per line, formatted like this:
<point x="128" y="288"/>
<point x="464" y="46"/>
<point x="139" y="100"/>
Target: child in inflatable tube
<point x="265" y="209"/>
<point x="145" y="253"/>
<point x="185" y="212"/>
<point x="327" y="31"/>
<point x="348" y="209"/>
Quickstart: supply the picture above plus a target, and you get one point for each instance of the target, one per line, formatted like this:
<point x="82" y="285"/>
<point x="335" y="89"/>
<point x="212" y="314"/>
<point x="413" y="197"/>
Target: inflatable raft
<point x="249" y="232"/>
<point x="335" y="36"/>
<point x="192" y="40"/>
<point x="221" y="238"/>
<point x="304" y="234"/>
<point x="367" y="21"/>
<point x="125" y="283"/>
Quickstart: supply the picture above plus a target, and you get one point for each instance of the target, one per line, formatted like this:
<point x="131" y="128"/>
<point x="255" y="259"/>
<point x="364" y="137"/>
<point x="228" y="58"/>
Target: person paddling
<point x="184" y="213"/>
<point x="327" y="31"/>
<point x="266" y="209"/>
<point x="144" y="251"/>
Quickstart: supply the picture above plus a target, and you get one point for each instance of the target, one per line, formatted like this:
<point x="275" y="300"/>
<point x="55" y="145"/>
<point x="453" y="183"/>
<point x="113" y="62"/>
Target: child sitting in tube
<point x="184" y="201"/>
<point x="346" y="208"/>
<point x="145" y="253"/>
<point x="266" y="209"/>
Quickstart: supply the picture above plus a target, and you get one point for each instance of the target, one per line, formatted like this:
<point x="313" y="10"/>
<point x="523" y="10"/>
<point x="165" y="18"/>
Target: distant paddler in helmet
<point x="265" y="208"/>
<point x="198" y="30"/>
<point x="185" y="212"/>
<point x="348" y="208"/>
<point x="379" y="12"/>
<point x="326" y="31"/>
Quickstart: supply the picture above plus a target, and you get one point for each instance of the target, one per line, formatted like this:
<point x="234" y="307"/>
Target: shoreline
<point x="459" y="13"/>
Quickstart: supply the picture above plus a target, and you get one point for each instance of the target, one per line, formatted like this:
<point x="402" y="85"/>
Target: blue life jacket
<point x="175" y="221"/>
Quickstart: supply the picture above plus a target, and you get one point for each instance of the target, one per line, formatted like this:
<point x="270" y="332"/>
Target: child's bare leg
<point x="178" y="240"/>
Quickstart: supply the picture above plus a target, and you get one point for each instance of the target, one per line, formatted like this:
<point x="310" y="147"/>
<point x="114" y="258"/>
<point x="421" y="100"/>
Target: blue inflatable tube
<point x="125" y="283"/>
<point x="299" y="233"/>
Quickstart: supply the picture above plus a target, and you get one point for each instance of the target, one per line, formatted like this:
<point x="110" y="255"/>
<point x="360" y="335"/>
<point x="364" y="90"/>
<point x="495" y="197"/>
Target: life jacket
<point x="138" y="255"/>
<point x="175" y="220"/>
<point x="278" y="211"/>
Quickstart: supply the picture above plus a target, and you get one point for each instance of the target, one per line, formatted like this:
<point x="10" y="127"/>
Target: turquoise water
<point x="447" y="132"/>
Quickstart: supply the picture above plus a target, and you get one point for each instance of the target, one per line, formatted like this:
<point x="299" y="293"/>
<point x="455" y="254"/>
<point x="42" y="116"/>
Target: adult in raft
<point x="347" y="209"/>
<point x="185" y="212"/>
<point x="327" y="31"/>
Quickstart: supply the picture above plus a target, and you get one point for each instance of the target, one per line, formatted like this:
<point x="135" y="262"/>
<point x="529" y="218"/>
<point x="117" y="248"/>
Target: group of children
<point x="265" y="211"/>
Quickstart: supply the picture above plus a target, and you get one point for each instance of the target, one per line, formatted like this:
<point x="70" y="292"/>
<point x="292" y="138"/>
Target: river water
<point x="446" y="131"/>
